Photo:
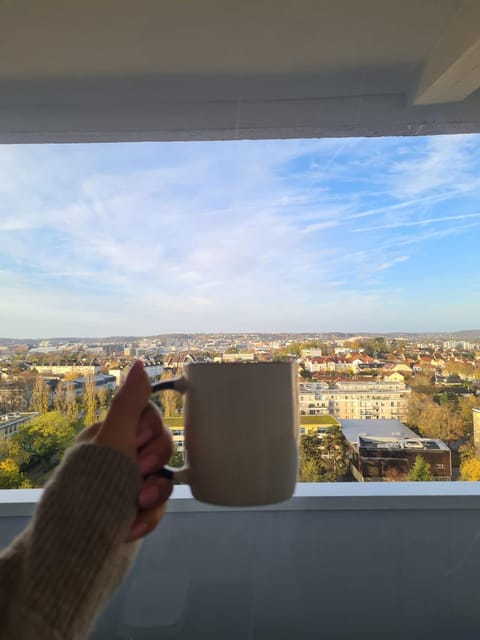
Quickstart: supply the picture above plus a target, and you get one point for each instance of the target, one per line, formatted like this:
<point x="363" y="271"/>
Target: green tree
<point x="177" y="459"/>
<point x="43" y="440"/>
<point x="334" y="452"/>
<point x="40" y="396"/>
<point x="421" y="471"/>
<point x="311" y="467"/>
<point x="11" y="477"/>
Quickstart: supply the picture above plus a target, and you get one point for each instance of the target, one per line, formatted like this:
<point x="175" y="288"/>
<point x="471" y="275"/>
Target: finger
<point x="152" y="503"/>
<point x="154" y="492"/>
<point x="146" y="523"/>
<point x="156" y="453"/>
<point x="120" y="426"/>
<point x="150" y="424"/>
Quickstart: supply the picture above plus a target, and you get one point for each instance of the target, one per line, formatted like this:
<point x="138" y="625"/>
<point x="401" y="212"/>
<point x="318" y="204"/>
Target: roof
<point x="375" y="429"/>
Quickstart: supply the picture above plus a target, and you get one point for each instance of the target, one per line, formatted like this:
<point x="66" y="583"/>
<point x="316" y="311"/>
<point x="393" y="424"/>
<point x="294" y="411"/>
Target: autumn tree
<point x="170" y="401"/>
<point x="11" y="477"/>
<point x="71" y="404"/>
<point x="421" y="471"/>
<point x="439" y="421"/>
<point x="89" y="401"/>
<point x="470" y="470"/>
<point x="40" y="396"/>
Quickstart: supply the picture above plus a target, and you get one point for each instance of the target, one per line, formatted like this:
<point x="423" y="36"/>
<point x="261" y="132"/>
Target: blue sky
<point x="350" y="235"/>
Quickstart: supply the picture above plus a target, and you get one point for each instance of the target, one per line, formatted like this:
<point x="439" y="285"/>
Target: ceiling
<point x="215" y="69"/>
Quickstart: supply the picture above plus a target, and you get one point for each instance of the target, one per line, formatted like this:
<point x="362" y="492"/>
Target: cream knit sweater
<point x="57" y="574"/>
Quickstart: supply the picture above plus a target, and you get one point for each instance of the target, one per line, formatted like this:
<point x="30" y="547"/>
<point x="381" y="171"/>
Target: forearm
<point x="57" y="574"/>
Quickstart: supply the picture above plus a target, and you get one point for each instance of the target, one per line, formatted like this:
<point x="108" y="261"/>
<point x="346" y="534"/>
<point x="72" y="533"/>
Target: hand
<point x="134" y="427"/>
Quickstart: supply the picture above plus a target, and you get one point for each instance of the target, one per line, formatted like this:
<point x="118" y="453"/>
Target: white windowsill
<point x="308" y="497"/>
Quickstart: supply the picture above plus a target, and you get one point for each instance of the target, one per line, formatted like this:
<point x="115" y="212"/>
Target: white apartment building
<point x="355" y="400"/>
<point x="68" y="369"/>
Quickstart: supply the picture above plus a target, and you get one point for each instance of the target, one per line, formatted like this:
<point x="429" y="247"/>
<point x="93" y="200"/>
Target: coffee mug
<point x="240" y="433"/>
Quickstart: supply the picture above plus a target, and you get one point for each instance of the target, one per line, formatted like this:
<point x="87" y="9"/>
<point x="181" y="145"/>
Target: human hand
<point x="134" y="427"/>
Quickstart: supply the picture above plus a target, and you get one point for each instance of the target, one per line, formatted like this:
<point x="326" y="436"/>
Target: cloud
<point x="144" y="238"/>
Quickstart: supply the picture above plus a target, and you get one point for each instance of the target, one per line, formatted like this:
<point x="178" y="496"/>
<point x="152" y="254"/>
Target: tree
<point x="10" y="475"/>
<point x="43" y="440"/>
<point x="40" y="396"/>
<point x="177" y="459"/>
<point x="103" y="401"/>
<point x="439" y="421"/>
<point x="71" y="405"/>
<point x="470" y="470"/>
<point x="334" y="452"/>
<point x="420" y="472"/>
<point x="170" y="401"/>
<point x="89" y="401"/>
<point x="311" y="467"/>
<point x="59" y="397"/>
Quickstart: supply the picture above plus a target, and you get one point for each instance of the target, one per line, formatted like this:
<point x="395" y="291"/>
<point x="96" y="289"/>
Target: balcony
<point x="396" y="561"/>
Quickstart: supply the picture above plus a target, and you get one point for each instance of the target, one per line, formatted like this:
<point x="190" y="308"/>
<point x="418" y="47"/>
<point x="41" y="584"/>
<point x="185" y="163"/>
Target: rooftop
<point x="352" y="429"/>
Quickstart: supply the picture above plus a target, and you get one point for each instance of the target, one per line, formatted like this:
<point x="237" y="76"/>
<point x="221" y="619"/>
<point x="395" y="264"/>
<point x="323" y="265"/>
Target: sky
<point x="352" y="235"/>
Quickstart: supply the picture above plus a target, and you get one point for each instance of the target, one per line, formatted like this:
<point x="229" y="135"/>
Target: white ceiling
<point x="177" y="69"/>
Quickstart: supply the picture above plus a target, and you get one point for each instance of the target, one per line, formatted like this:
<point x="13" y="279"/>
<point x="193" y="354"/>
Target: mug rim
<point x="236" y="364"/>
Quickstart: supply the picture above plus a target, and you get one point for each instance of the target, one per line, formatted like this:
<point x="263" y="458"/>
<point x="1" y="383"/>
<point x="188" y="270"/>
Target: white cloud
<point x="150" y="238"/>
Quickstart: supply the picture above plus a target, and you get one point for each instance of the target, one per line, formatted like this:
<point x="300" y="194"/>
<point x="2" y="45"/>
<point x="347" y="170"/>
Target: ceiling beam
<point x="357" y="116"/>
<point x="451" y="71"/>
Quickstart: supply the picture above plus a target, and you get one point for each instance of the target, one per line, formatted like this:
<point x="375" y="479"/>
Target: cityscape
<point x="372" y="407"/>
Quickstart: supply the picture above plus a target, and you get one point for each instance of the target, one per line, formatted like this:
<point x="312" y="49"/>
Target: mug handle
<point x="175" y="474"/>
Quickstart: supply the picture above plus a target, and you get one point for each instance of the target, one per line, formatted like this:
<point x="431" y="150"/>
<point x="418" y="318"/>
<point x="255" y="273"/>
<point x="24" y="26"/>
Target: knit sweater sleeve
<point x="57" y="574"/>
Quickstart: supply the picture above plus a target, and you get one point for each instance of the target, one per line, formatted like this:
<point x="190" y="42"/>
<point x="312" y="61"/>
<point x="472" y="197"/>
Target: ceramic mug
<point x="241" y="426"/>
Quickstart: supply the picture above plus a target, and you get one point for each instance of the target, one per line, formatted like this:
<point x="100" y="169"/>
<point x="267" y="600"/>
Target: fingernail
<point x="148" y="496"/>
<point x="148" y="464"/>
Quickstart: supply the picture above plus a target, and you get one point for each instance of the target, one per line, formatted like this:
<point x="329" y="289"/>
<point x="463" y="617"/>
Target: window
<point x="54" y="275"/>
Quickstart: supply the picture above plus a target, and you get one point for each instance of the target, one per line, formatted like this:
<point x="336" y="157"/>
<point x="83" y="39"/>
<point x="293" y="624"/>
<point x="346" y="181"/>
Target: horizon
<point x="348" y="334"/>
<point x="159" y="238"/>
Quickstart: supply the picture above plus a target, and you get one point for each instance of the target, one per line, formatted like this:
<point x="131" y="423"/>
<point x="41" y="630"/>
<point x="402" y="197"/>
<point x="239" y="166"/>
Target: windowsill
<point x="309" y="497"/>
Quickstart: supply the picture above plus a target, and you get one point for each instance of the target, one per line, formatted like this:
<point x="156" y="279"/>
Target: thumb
<point x="120" y="426"/>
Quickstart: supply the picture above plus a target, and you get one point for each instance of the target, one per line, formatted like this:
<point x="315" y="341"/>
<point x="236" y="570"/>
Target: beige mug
<point x="241" y="426"/>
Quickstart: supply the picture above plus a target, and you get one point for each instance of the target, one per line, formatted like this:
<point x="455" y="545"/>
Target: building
<point x="153" y="371"/>
<point x="355" y="400"/>
<point x="317" y="425"/>
<point x="101" y="381"/>
<point x="9" y="423"/>
<point x="68" y="369"/>
<point x="239" y="357"/>
<point x="386" y="450"/>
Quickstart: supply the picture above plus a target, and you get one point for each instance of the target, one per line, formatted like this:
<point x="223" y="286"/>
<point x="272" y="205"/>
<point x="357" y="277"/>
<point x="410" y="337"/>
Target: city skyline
<point x="349" y="235"/>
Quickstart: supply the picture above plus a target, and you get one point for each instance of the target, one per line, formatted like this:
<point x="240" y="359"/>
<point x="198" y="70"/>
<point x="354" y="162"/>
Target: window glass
<point x="355" y="258"/>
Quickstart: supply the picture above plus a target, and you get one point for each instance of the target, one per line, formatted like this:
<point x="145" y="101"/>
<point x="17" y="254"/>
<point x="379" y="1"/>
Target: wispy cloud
<point x="144" y="238"/>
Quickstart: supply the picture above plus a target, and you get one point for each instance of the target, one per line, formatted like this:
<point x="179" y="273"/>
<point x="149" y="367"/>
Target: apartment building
<point x="68" y="369"/>
<point x="355" y="400"/>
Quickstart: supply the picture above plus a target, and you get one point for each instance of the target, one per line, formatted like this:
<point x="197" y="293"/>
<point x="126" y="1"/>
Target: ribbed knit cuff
<point x="78" y="553"/>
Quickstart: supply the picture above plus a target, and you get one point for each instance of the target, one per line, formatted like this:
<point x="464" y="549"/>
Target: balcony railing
<point x="387" y="561"/>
